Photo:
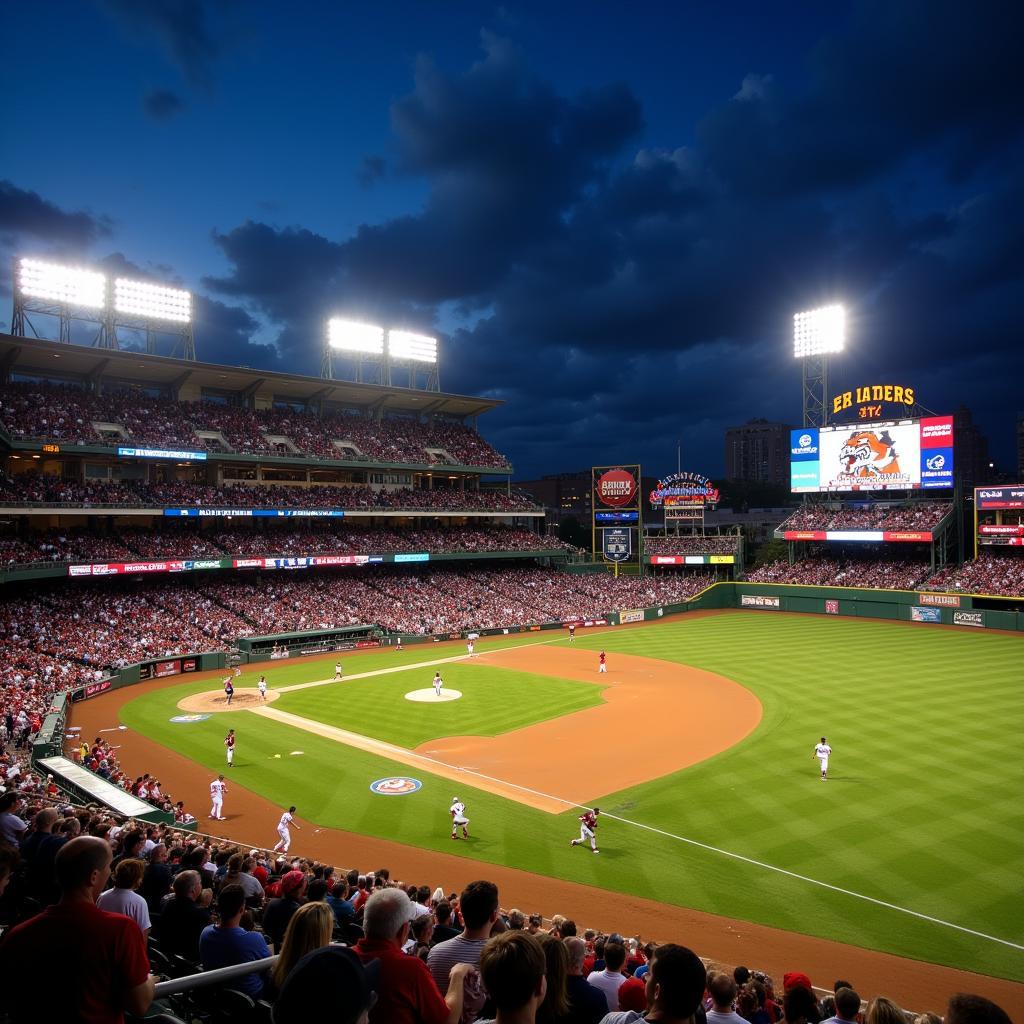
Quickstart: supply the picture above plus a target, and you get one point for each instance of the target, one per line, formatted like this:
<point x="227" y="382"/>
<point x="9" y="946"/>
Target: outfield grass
<point x="922" y="808"/>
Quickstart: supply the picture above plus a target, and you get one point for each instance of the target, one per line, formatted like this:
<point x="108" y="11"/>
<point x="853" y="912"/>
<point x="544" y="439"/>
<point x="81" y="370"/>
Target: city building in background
<point x="758" y="451"/>
<point x="1020" y="446"/>
<point x="971" y="449"/>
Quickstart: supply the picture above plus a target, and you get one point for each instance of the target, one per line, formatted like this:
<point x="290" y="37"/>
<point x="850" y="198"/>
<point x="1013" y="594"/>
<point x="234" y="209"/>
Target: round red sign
<point x="616" y="488"/>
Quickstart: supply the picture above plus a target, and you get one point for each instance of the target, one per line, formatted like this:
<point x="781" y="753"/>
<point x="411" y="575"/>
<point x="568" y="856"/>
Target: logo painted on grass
<point x="189" y="718"/>
<point x="395" y="786"/>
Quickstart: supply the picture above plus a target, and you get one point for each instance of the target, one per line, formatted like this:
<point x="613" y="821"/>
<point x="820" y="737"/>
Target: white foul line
<point x="684" y="839"/>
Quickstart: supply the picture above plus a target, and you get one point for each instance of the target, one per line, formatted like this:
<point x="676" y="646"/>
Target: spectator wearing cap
<point x="610" y="980"/>
<point x="111" y="970"/>
<point x="407" y="993"/>
<point x="633" y="995"/>
<point x="514" y="973"/>
<point x="329" y="984"/>
<point x="280" y="910"/>
<point x="227" y="943"/>
<point x="675" y="987"/>
<point x="847" y="1007"/>
<point x="184" y="916"/>
<point x="478" y="904"/>
<point x="587" y="1005"/>
<point x="799" y="1005"/>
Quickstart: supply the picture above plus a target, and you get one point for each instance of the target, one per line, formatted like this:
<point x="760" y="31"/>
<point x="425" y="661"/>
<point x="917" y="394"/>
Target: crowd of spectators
<point x="1002" y="575"/>
<point x="71" y="415"/>
<point x="179" y="539"/>
<point x="352" y="946"/>
<point x="821" y="570"/>
<point x="36" y="488"/>
<point x="924" y="515"/>
<point x="691" y="544"/>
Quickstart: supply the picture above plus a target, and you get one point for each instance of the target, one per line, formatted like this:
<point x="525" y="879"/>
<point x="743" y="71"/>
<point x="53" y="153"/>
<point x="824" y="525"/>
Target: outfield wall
<point x="900" y="605"/>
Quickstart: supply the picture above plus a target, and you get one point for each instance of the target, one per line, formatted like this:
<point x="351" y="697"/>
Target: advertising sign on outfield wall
<point x="968" y="619"/>
<point x="940" y="600"/>
<point x="831" y="606"/>
<point x="925" y="614"/>
<point x="631" y="615"/>
<point x="758" y="601"/>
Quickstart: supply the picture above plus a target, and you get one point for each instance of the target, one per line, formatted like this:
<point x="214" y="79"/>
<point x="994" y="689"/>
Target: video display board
<point x="898" y="455"/>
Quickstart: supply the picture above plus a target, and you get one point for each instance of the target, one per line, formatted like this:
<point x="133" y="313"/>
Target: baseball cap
<point x="633" y="995"/>
<point x="330" y="983"/>
<point x="292" y="881"/>
<point x="795" y="979"/>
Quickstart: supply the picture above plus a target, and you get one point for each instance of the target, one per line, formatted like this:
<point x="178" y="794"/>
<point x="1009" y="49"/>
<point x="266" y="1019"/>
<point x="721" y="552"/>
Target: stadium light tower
<point x="142" y="305"/>
<point x="817" y="334"/>
<point x="359" y="342"/>
<point x="67" y="293"/>
<point x="418" y="352"/>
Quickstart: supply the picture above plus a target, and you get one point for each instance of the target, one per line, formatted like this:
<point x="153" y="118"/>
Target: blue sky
<point x="607" y="215"/>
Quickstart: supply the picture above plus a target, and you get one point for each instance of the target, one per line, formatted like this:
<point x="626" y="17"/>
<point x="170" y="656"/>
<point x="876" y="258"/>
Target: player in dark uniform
<point x="588" y="828"/>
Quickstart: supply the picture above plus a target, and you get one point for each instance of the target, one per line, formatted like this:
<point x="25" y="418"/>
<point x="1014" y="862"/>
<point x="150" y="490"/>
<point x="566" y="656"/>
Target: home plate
<point x="428" y="696"/>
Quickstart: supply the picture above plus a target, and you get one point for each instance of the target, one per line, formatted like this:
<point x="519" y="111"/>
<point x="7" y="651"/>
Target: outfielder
<point x="229" y="743"/>
<point x="458" y="813"/>
<point x="588" y="826"/>
<point x="337" y="671"/>
<point x="438" y="683"/>
<point x="263" y="687"/>
<point x="469" y="648"/>
<point x="283" y="832"/>
<point x="217" y="790"/>
<point x="602" y="662"/>
<point x="821" y="752"/>
<point x="572" y="632"/>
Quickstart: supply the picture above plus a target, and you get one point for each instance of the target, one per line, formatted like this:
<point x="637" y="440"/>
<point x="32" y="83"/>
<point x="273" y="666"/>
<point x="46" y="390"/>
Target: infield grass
<point x="923" y="809"/>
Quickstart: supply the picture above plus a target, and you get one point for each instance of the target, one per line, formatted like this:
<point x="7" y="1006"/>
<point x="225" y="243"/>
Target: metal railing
<point x="203" y="979"/>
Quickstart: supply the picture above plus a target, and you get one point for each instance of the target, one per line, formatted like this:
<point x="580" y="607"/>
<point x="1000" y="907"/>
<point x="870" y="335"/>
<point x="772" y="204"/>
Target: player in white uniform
<point x="217" y="790"/>
<point x="438" y="683"/>
<point x="588" y="830"/>
<point x="283" y="826"/>
<point x="821" y="752"/>
<point x="238" y="671"/>
<point x="337" y="671"/>
<point x="469" y="648"/>
<point x="262" y="684"/>
<point x="459" y="819"/>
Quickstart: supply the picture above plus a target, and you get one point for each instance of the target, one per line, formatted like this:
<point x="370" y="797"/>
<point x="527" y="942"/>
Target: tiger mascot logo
<point x="867" y="454"/>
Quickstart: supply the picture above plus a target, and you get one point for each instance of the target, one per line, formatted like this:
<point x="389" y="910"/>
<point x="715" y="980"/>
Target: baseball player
<point x="572" y="632"/>
<point x="458" y="813"/>
<point x="469" y="648"/>
<point x="438" y="683"/>
<point x="217" y="790"/>
<point x="602" y="662"/>
<point x="238" y="671"/>
<point x="337" y="671"/>
<point x="229" y="689"/>
<point x="262" y="684"/>
<point x="588" y="826"/>
<point x="284" y="835"/>
<point x="821" y="752"/>
<point x="229" y="743"/>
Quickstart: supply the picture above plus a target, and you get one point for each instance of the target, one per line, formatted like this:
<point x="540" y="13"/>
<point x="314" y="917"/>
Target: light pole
<point x="816" y="334"/>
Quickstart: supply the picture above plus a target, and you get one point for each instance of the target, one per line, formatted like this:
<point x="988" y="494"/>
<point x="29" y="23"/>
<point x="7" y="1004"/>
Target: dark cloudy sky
<point x="607" y="212"/>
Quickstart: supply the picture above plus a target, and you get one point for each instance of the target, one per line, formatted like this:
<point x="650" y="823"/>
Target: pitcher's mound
<point x="428" y="696"/>
<point x="245" y="698"/>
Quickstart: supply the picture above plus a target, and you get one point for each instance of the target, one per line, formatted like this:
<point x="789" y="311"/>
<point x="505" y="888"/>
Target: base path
<point x="251" y="821"/>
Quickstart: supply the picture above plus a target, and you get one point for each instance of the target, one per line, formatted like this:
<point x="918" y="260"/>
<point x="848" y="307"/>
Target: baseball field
<point x="697" y="746"/>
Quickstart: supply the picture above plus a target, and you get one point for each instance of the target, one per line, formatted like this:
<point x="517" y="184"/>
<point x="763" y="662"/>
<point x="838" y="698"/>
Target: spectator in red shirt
<point x="101" y="957"/>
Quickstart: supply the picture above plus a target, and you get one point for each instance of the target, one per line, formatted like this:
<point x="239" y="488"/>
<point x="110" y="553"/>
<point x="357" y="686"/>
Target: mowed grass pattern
<point x="922" y="808"/>
<point x="493" y="701"/>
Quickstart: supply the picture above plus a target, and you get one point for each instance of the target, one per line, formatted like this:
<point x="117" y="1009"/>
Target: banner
<point x="864" y="536"/>
<point x="999" y="497"/>
<point x="162" y="453"/>
<point x="925" y="614"/>
<point x="258" y="513"/>
<point x="91" y="690"/>
<point x="758" y="601"/>
<point x="940" y="600"/>
<point x="616" y="543"/>
<point x="691" y="559"/>
<point x="968" y="619"/>
<point x="1006" y="530"/>
<point x="831" y="606"/>
<point x="631" y="615"/>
